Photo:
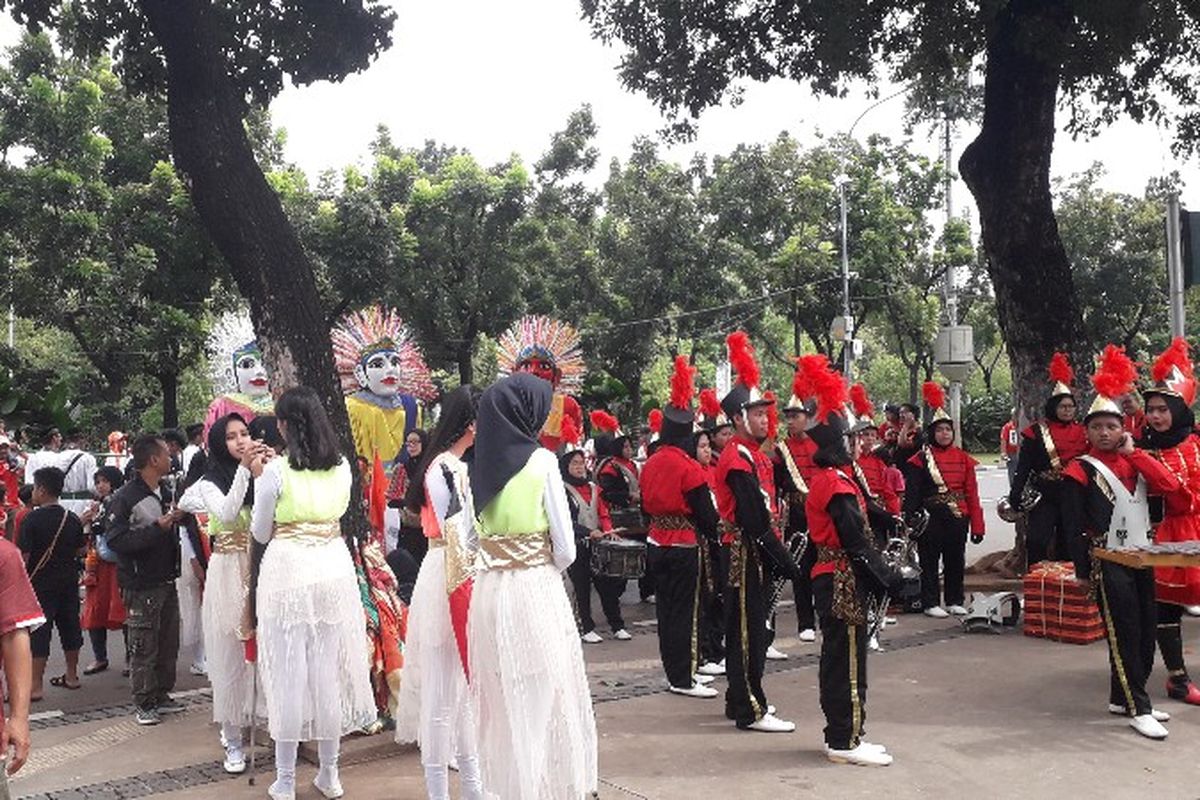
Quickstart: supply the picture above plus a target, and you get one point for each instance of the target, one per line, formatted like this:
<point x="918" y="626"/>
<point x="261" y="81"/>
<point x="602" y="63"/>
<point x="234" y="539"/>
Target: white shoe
<point x="890" y="621"/>
<point x="703" y="680"/>
<point x="198" y="669"/>
<point x="878" y="747"/>
<point x="623" y="635"/>
<point x="235" y="761"/>
<point x="696" y="690"/>
<point x="862" y="756"/>
<point x="591" y="637"/>
<point x="712" y="668"/>
<point x="873" y="644"/>
<point x="776" y="655"/>
<point x="957" y="611"/>
<point x="651" y="599"/>
<point x="937" y="612"/>
<point x="770" y="709"/>
<point x="276" y="793"/>
<point x="1121" y="711"/>
<point x="769" y="723"/>
<point x="1192" y="610"/>
<point x="1148" y="726"/>
<point x="808" y="635"/>
<point x="331" y="790"/>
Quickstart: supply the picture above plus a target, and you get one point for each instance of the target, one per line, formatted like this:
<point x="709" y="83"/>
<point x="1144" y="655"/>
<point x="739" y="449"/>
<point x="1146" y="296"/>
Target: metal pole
<point x="1175" y="265"/>
<point x="848" y="337"/>
<point x="951" y="288"/>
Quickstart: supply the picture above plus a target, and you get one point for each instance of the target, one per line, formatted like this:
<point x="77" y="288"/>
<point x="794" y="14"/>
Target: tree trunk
<point x="466" y="368"/>
<point x="913" y="381"/>
<point x="1007" y="169"/>
<point x="242" y="213"/>
<point x="170" y="399"/>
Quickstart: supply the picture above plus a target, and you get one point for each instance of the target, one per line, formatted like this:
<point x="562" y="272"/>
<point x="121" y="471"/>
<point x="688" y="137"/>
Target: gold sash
<point x="308" y="533"/>
<point x="231" y="542"/>
<point x="789" y="461"/>
<point x="436" y="542"/>
<point x="1051" y="450"/>
<point x="944" y="495"/>
<point x="519" y="551"/>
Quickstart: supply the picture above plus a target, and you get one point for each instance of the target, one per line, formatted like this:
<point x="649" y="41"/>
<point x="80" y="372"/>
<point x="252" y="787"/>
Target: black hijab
<point x="1183" y="422"/>
<point x="511" y="414"/>
<point x="564" y="465"/>
<point x="221" y="465"/>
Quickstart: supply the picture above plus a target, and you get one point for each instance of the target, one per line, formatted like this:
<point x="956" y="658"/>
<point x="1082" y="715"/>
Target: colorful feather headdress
<point x="547" y="338"/>
<point x="935" y="397"/>
<point x="373" y="330"/>
<point x="231" y="336"/>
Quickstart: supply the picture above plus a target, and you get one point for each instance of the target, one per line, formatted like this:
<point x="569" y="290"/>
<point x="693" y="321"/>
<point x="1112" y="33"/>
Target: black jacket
<point x="148" y="555"/>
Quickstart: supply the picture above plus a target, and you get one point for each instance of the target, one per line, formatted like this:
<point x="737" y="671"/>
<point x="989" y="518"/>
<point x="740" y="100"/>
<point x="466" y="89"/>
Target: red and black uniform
<point x="677" y="499"/>
<point x="1126" y="594"/>
<point x="801" y="451"/>
<point x="589" y="512"/>
<point x="874" y="471"/>
<point x="1047" y="531"/>
<point x="746" y="503"/>
<point x="953" y="505"/>
<point x="847" y="560"/>
<point x="619" y="486"/>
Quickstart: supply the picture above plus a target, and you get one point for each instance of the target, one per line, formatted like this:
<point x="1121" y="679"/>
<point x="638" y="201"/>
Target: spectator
<point x="25" y="496"/>
<point x="102" y="607"/>
<point x="412" y="536"/>
<point x="1010" y="445"/>
<point x="78" y="466"/>
<point x="52" y="541"/>
<point x="116" y="455"/>
<point x="10" y="474"/>
<point x="265" y="429"/>
<point x="19" y="614"/>
<point x="141" y="530"/>
<point x="46" y="457"/>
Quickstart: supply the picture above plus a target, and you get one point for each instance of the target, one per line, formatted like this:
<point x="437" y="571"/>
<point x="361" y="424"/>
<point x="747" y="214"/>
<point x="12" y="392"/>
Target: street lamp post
<point x="848" y="334"/>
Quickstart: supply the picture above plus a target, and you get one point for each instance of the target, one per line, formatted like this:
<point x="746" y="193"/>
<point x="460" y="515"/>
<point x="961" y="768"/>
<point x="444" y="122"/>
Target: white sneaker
<point x="1192" y="610"/>
<point x="937" y="612"/>
<point x="770" y="709"/>
<point x="1121" y="711"/>
<point x="623" y="635"/>
<point x="1148" y="726"/>
<point x="808" y="635"/>
<point x="878" y="747"/>
<point x="198" y="669"/>
<point x="331" y="789"/>
<point x="873" y="644"/>
<point x="696" y="690"/>
<point x="769" y="723"/>
<point x="235" y="761"/>
<point x="276" y="792"/>
<point x="712" y="668"/>
<point x="591" y="637"/>
<point x="776" y="655"/>
<point x="862" y="756"/>
<point x="890" y="621"/>
<point x="957" y="611"/>
<point x="703" y="680"/>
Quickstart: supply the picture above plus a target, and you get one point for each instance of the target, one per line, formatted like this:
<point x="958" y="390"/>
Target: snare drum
<point x="618" y="558"/>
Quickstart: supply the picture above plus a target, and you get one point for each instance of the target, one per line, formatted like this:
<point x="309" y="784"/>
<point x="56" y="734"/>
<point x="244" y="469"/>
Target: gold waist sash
<point x="308" y="533"/>
<point x="520" y="551"/>
<point x="436" y="542"/>
<point x="231" y="542"/>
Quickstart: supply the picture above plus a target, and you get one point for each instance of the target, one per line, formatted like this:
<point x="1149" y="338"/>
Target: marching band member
<point x="797" y="454"/>
<point x="617" y="477"/>
<point x="677" y="498"/>
<point x="1046" y="447"/>
<point x="746" y="502"/>
<point x="1105" y="496"/>
<point x="1169" y="437"/>
<point x="711" y="424"/>
<point x="434" y="710"/>
<point x="537" y="732"/>
<point x="848" y="568"/>
<point x="942" y="479"/>
<point x="872" y="467"/>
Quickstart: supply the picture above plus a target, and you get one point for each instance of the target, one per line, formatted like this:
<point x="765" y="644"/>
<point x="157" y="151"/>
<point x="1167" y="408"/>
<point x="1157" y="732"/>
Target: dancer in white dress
<point x="434" y="711"/>
<point x="225" y="494"/>
<point x="537" y="731"/>
<point x="311" y="650"/>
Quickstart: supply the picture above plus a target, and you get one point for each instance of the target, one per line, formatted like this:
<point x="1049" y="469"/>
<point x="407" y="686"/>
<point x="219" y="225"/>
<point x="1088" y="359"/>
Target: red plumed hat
<point x="1173" y="373"/>
<point x="710" y="406"/>
<point x="679" y="418"/>
<point x="1114" y="376"/>
<point x="935" y="397"/>
<point x="1061" y="375"/>
<point x="860" y="402"/>
<point x="826" y="385"/>
<point x="604" y="422"/>
<point x="772" y="415"/>
<point x="655" y="420"/>
<point x="745" y="392"/>
<point x="570" y="433"/>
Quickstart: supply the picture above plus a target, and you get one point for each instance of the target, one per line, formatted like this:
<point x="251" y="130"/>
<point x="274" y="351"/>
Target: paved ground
<point x="981" y="716"/>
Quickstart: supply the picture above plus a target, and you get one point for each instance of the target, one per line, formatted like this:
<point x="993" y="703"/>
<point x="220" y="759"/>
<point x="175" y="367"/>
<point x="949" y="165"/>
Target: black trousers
<point x="745" y="635"/>
<point x="945" y="541"/>
<point x="1047" y="532"/>
<point x="1127" y="602"/>
<point x="153" y="626"/>
<point x="676" y="572"/>
<point x="843" y="672"/>
<point x="803" y="592"/>
<point x="712" y="609"/>
<point x="1169" y="633"/>
<point x="610" y="591"/>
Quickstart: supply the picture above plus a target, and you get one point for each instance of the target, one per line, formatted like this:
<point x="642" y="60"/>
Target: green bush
<point x="983" y="415"/>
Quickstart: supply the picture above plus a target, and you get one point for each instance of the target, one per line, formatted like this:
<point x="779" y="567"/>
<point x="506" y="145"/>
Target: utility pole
<point x="953" y="350"/>
<point x="1175" y="282"/>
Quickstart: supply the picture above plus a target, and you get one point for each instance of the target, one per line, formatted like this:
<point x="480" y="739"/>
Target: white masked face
<point x="251" y="374"/>
<point x="380" y="373"/>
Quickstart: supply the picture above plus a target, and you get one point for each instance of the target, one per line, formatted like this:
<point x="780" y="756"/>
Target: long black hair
<point x="311" y="441"/>
<point x="458" y="412"/>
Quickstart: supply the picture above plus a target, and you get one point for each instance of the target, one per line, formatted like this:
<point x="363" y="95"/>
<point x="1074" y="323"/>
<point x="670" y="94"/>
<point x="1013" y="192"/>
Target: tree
<point x="1102" y="59"/>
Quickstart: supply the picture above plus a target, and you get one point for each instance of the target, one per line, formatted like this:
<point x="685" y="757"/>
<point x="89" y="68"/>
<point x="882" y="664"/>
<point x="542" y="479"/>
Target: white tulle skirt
<point x="225" y="594"/>
<point x="434" y="710"/>
<point x="312" y="643"/>
<point x="537" y="731"/>
<point x="191" y="628"/>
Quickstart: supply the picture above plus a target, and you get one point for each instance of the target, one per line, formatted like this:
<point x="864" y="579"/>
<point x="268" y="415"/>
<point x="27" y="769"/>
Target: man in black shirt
<point x="52" y="540"/>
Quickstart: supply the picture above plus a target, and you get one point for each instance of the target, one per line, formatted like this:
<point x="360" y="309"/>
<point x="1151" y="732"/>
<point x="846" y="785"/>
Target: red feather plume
<point x="772" y="414"/>
<point x="1174" y="356"/>
<point x="570" y="430"/>
<point x="807" y="366"/>
<point x="683" y="384"/>
<point x="654" y="420"/>
<point x="825" y="383"/>
<point x="604" y="422"/>
<point x="741" y="358"/>
<point x="1060" y="369"/>
<point x="934" y="394"/>
<point x="710" y="406"/>
<point x="861" y="403"/>
<point x="1115" y="373"/>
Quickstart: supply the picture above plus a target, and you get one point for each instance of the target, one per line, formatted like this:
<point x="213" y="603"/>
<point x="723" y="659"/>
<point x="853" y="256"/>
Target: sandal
<point x="61" y="682"/>
<point x="92" y="669"/>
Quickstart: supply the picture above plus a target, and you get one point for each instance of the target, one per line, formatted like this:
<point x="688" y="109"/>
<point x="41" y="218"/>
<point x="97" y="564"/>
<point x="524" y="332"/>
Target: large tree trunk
<point x="170" y="399"/>
<point x="1007" y="169"/>
<point x="242" y="213"/>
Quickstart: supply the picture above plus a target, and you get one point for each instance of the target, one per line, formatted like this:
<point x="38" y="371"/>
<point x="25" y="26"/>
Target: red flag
<point x="377" y="501"/>
<point x="250" y="649"/>
<point x="460" y="605"/>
